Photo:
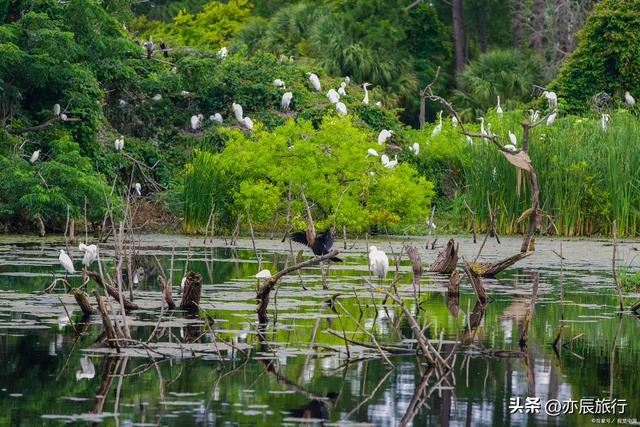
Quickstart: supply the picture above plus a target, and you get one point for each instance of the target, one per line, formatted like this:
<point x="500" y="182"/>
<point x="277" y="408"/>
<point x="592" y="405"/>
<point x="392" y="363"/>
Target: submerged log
<point x="128" y="305"/>
<point x="166" y="293"/>
<point x="191" y="292"/>
<point x="83" y="301"/>
<point x="476" y="282"/>
<point x="447" y="259"/>
<point x="490" y="270"/>
<point x="454" y="284"/>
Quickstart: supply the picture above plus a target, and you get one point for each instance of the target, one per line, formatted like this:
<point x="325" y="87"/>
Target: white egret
<point x="512" y="138"/>
<point x="552" y="98"/>
<point x="64" y="117"/>
<point x="372" y="152"/>
<point x="630" y="100"/>
<point x="315" y="81"/>
<point x="551" y="118"/>
<point x="237" y="111"/>
<point x="122" y="102"/>
<point x="119" y="143"/>
<point x="347" y="80"/>
<point x="56" y="109"/>
<point x="185" y="93"/>
<point x="286" y="101"/>
<point x="604" y="121"/>
<point x="379" y="104"/>
<point x="222" y="53"/>
<point x="469" y="140"/>
<point x="157" y="97"/>
<point x="392" y="163"/>
<point x="378" y="262"/>
<point x="510" y="147"/>
<point x="534" y="115"/>
<point x="182" y="283"/>
<point x="499" y="108"/>
<point x="482" y="130"/>
<point x="87" y="371"/>
<point x="248" y="123"/>
<point x="66" y="263"/>
<point x="90" y="254"/>
<point x="415" y="148"/>
<point x="341" y="90"/>
<point x="384" y="135"/>
<point x="35" y="156"/>
<point x="436" y="130"/>
<point x="431" y="224"/>
<point x="195" y="122"/>
<point x="384" y="159"/>
<point x="341" y="108"/>
<point x="279" y="84"/>
<point x="454" y="122"/>
<point x="138" y="188"/>
<point x="365" y="100"/>
<point x="216" y="118"/>
<point x="263" y="274"/>
<point x="333" y="96"/>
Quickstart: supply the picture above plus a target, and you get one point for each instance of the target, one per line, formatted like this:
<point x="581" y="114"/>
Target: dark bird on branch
<point x="320" y="244"/>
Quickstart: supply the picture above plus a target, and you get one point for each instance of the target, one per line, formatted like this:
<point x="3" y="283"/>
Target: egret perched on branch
<point x="534" y="115"/>
<point x="222" y="53"/>
<point x="64" y="117"/>
<point x="378" y="262"/>
<point x="315" y="81"/>
<point x="384" y="135"/>
<point x="216" y="118"/>
<point x="551" y="118"/>
<point x="279" y="84"/>
<point x="510" y="147"/>
<point x="436" y="130"/>
<point x="237" y="111"/>
<point x="512" y="138"/>
<point x="365" y="100"/>
<point x="263" y="274"/>
<point x="333" y="96"/>
<point x="138" y="188"/>
<point x="341" y="90"/>
<point x="372" y="152"/>
<point x="286" y="101"/>
<point x="56" y="109"/>
<point x="482" y="130"/>
<point x="90" y="254"/>
<point x="499" y="108"/>
<point x="341" y="108"/>
<point x="35" y="156"/>
<point x="119" y="143"/>
<point x="630" y="100"/>
<point x="66" y="263"/>
<point x="552" y="98"/>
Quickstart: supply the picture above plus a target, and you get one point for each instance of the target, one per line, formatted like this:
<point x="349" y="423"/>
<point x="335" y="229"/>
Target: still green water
<point x="234" y="373"/>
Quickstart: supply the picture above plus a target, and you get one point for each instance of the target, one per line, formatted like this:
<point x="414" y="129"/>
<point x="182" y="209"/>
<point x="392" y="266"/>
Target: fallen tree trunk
<point x="476" y="282"/>
<point x="191" y="292"/>
<point x="109" y="330"/>
<point x="447" y="259"/>
<point x="128" y="305"/>
<point x="83" y="301"/>
<point x="490" y="270"/>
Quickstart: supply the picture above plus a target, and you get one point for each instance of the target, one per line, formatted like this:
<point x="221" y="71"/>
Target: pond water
<point x="222" y="368"/>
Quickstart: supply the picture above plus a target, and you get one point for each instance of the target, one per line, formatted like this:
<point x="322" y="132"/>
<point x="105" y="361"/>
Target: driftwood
<point x="416" y="262"/>
<point x="636" y="307"/>
<point x="109" y="330"/>
<point x="166" y="293"/>
<point x="476" y="282"/>
<point x="191" y="292"/>
<point x="490" y="270"/>
<point x="268" y="285"/>
<point x="524" y="335"/>
<point x="454" y="284"/>
<point x="128" y="305"/>
<point x="447" y="259"/>
<point x="83" y="302"/>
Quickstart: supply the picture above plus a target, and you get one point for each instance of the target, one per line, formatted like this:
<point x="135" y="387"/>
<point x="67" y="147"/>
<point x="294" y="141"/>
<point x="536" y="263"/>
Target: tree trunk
<point x="458" y="39"/>
<point x="515" y="23"/>
<point x="482" y="30"/>
<point x="72" y="230"/>
<point x="564" y="20"/>
<point x="83" y="302"/>
<point x="191" y="292"/>
<point x="447" y="260"/>
<point x="40" y="224"/>
<point x="538" y="24"/>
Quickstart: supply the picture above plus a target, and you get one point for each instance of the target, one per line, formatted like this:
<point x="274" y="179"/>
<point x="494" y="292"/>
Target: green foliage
<point x="209" y="28"/>
<point x="252" y="175"/>
<point x="510" y="74"/>
<point x="607" y="57"/>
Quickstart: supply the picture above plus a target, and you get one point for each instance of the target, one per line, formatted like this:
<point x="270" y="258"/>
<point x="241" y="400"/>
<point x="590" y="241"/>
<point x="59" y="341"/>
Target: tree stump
<point x="83" y="301"/>
<point x="476" y="283"/>
<point x="454" y="284"/>
<point x="447" y="259"/>
<point x="166" y="293"/>
<point x="191" y="292"/>
<point x="109" y="330"/>
<point x="416" y="263"/>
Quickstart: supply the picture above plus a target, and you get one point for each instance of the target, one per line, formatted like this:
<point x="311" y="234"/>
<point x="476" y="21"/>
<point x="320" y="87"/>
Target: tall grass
<point x="588" y="177"/>
<point x="199" y="179"/>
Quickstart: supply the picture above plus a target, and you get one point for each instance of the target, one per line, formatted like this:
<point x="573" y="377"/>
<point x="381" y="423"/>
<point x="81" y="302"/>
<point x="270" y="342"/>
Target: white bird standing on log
<point x="512" y="138"/>
<point x="499" y="108"/>
<point x="384" y="135"/>
<point x="66" y="263"/>
<point x="35" y="156"/>
<point x="90" y="254"/>
<point x="286" y="101"/>
<point x="315" y="81"/>
<point x="436" y="130"/>
<point x="365" y="100"/>
<point x="341" y="108"/>
<point x="630" y="100"/>
<point x="263" y="274"/>
<point x="378" y="262"/>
